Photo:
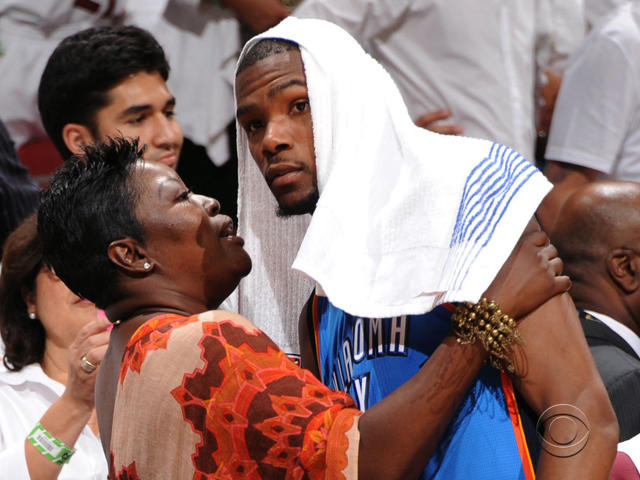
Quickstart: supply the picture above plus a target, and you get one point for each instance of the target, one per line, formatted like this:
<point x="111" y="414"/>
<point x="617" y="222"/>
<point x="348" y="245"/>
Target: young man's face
<point x="273" y="110"/>
<point x="142" y="106"/>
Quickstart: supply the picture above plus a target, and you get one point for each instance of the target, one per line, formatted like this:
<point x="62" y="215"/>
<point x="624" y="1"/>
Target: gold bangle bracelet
<point x="484" y="321"/>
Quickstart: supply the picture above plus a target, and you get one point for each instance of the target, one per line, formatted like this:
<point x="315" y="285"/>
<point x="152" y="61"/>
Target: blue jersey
<point x="488" y="438"/>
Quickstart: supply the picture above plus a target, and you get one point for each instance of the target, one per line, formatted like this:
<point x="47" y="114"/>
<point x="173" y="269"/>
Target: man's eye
<point x="137" y="120"/>
<point x="184" y="195"/>
<point x="169" y="114"/>
<point x="301" y="106"/>
<point x="253" y="126"/>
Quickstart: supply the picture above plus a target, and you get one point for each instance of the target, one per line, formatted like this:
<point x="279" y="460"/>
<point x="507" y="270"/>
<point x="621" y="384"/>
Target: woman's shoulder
<point x="166" y="326"/>
<point x="186" y="338"/>
<point x="230" y="317"/>
<point x="29" y="374"/>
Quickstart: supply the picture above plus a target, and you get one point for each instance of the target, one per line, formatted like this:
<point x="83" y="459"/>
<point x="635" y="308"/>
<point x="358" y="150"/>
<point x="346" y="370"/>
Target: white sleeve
<point x="363" y="19"/>
<point x="594" y="108"/>
<point x="51" y="12"/>
<point x="13" y="463"/>
<point x="47" y="13"/>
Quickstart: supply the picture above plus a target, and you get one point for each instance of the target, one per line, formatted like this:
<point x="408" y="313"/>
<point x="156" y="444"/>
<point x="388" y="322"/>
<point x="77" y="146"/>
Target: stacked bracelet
<point x="51" y="447"/>
<point x="496" y="331"/>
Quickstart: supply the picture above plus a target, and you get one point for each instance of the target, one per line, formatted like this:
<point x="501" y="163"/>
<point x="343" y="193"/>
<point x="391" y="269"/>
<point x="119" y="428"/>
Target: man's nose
<point x="167" y="132"/>
<point x="277" y="137"/>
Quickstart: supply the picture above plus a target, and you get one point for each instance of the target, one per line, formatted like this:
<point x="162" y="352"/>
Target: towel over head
<point x="406" y="219"/>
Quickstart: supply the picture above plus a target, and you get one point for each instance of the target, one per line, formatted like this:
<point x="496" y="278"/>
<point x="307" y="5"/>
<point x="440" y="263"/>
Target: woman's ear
<point x="29" y="297"/>
<point x="131" y="257"/>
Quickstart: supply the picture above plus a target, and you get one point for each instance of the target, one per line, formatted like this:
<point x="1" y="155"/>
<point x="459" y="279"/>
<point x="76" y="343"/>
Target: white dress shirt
<point x="24" y="397"/>
<point x="623" y="331"/>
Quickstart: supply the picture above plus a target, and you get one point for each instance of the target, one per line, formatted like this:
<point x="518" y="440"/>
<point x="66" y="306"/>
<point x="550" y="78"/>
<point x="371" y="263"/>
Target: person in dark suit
<point x="18" y="192"/>
<point x="597" y="234"/>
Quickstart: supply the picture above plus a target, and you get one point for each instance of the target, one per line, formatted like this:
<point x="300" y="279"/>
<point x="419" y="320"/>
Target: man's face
<point x="142" y="106"/>
<point x="273" y="110"/>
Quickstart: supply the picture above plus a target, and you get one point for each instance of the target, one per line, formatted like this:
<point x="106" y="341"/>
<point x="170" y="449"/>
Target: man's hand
<point x="430" y="121"/>
<point x="258" y="15"/>
<point x="530" y="276"/>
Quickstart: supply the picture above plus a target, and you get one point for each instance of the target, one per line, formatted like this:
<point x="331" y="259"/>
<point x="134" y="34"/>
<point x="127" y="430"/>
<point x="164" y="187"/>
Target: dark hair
<point x="84" y="66"/>
<point x="263" y="49"/>
<point x="90" y="203"/>
<point x="22" y="260"/>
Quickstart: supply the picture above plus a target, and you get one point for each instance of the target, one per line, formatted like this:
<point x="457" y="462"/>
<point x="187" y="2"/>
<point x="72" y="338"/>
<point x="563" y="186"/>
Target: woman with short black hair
<point x="187" y="391"/>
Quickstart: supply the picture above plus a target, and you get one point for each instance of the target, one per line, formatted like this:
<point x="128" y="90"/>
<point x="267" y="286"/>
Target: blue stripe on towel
<point x="488" y="192"/>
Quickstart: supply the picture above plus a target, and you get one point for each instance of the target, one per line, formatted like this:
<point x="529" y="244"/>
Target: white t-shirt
<point x="479" y="59"/>
<point x="24" y="397"/>
<point x="596" y="122"/>
<point x="597" y="11"/>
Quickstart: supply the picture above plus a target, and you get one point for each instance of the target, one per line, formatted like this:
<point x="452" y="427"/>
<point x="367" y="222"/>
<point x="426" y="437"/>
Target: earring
<point x="32" y="315"/>
<point x="146" y="265"/>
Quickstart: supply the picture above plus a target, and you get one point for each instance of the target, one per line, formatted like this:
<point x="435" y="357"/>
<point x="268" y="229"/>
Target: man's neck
<point x="606" y="301"/>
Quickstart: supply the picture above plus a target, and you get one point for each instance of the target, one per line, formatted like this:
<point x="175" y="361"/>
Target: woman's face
<point x="186" y="238"/>
<point x="61" y="312"/>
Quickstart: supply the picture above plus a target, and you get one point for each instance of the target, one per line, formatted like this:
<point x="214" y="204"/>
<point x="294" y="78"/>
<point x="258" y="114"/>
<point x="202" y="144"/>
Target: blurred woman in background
<point x="54" y="341"/>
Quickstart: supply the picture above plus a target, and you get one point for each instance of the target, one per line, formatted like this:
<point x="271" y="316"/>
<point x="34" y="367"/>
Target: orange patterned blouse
<point x="211" y="396"/>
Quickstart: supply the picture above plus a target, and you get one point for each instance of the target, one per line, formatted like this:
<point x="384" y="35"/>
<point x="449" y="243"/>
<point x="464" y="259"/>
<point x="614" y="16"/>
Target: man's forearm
<point x="559" y="380"/>
<point x="421" y="409"/>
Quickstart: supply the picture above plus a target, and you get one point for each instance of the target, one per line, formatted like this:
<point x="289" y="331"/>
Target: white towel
<point x="406" y="218"/>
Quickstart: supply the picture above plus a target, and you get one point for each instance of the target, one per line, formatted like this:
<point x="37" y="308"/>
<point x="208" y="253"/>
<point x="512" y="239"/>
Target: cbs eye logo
<point x="563" y="430"/>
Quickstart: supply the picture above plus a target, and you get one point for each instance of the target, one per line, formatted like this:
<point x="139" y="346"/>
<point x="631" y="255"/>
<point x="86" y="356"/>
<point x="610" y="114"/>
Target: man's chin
<point x="301" y="207"/>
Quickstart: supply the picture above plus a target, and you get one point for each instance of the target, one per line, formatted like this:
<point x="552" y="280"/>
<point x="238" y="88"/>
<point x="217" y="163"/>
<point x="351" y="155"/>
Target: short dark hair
<point x="84" y="66"/>
<point x="263" y="49"/>
<point x="24" y="339"/>
<point x="89" y="204"/>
